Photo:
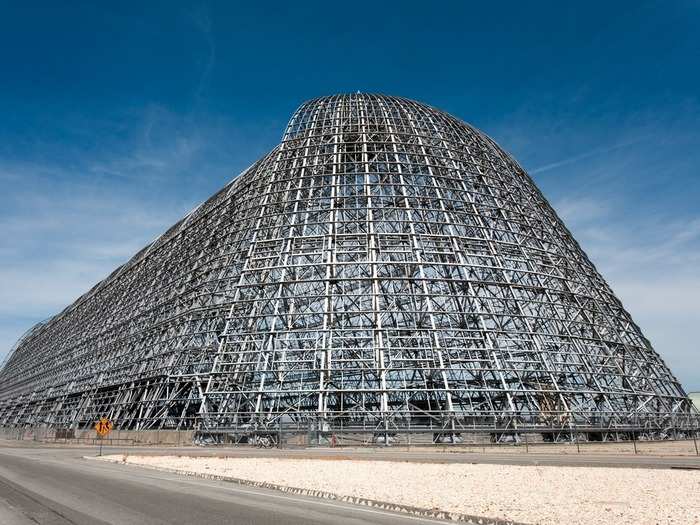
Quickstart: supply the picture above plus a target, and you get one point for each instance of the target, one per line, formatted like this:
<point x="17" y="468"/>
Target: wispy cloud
<point x="632" y="205"/>
<point x="59" y="243"/>
<point x="201" y="18"/>
<point x="652" y="266"/>
<point x="582" y="209"/>
<point x="65" y="225"/>
<point x="583" y="156"/>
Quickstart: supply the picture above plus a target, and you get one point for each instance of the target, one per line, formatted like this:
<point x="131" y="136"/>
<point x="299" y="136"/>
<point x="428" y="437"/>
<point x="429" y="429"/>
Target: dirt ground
<point x="649" y="448"/>
<point x="529" y="494"/>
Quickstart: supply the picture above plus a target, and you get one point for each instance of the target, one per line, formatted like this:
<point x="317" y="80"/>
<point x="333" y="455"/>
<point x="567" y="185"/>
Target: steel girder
<point x="387" y="268"/>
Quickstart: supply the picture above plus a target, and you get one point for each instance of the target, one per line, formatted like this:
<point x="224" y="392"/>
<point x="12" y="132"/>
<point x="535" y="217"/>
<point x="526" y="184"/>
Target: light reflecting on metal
<point x="386" y="268"/>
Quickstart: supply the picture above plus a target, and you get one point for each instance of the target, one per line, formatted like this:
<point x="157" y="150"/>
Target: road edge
<point x="377" y="504"/>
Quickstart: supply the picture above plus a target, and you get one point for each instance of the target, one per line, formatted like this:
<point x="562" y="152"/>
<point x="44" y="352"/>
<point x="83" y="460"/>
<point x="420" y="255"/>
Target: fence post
<point x="279" y="431"/>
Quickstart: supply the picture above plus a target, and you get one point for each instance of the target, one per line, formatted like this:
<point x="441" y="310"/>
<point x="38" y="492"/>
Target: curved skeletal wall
<point x="386" y="266"/>
<point x="407" y="271"/>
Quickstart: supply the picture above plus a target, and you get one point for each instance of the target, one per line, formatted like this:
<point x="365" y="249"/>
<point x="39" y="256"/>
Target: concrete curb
<point x="383" y="505"/>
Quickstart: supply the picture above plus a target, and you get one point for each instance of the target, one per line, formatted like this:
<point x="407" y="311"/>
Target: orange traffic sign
<point x="103" y="426"/>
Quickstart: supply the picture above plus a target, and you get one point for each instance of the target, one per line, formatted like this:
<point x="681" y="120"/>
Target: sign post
<point x="103" y="427"/>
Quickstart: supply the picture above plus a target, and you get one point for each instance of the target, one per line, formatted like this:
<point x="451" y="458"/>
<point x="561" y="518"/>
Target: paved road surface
<point x="56" y="486"/>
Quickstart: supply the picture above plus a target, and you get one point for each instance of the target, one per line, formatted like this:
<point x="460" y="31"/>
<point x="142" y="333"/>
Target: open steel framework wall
<point x="387" y="268"/>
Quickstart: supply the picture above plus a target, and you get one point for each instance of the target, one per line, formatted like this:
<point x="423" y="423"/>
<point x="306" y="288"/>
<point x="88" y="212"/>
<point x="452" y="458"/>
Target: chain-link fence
<point x="315" y="434"/>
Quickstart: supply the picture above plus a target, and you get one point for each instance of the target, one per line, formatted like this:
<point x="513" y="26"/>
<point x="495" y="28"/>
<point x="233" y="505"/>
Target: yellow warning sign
<point x="103" y="426"/>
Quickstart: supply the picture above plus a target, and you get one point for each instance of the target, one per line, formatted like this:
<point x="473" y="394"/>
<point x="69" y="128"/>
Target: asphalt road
<point x="57" y="486"/>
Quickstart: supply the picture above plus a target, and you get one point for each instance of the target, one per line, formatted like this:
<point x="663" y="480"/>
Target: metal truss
<point x="386" y="268"/>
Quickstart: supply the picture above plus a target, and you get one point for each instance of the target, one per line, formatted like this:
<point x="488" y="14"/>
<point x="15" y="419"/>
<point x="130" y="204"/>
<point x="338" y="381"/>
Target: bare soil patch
<point x="530" y="494"/>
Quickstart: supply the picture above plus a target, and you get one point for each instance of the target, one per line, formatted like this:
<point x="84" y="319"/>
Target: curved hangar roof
<point x="387" y="267"/>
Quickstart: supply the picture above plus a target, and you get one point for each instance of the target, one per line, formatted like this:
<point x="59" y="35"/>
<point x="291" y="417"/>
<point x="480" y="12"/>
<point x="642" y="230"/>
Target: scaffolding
<point x="388" y="270"/>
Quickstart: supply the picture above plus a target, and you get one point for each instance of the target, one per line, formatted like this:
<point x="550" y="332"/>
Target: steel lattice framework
<point x="386" y="267"/>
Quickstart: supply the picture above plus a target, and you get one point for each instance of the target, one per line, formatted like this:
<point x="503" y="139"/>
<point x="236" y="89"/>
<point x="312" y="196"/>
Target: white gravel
<point x="530" y="494"/>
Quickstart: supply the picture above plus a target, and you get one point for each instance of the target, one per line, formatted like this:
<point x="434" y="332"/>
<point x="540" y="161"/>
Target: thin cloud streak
<point x="632" y="209"/>
<point x="577" y="158"/>
<point x="66" y="228"/>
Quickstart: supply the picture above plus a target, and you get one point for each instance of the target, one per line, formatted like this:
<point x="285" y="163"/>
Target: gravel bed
<point x="530" y="494"/>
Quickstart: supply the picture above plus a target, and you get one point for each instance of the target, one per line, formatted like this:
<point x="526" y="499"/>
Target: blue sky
<point x="115" y="121"/>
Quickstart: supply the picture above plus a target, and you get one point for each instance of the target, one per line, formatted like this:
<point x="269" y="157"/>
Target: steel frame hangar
<point x="386" y="269"/>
